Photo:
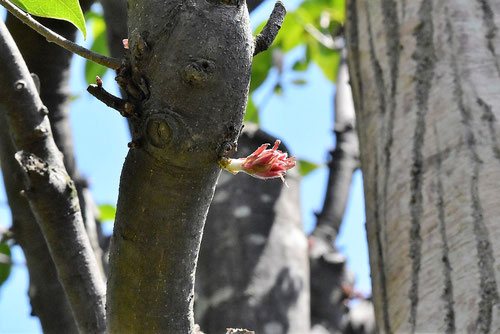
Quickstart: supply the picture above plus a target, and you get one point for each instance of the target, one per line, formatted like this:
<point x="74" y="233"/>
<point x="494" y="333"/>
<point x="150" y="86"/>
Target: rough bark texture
<point x="48" y="301"/>
<point x="425" y="79"/>
<point x="191" y="62"/>
<point x="39" y="55"/>
<point x="49" y="189"/>
<point x="254" y="237"/>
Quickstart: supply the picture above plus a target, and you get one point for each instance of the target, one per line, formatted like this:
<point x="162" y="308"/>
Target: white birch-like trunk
<point x="426" y="82"/>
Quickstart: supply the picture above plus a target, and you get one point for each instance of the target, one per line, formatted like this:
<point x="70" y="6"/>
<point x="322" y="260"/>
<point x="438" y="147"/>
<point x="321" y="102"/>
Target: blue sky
<point x="302" y="117"/>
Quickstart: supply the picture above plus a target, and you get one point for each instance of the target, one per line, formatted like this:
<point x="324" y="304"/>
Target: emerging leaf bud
<point x="264" y="163"/>
<point x="98" y="81"/>
<point x="125" y="43"/>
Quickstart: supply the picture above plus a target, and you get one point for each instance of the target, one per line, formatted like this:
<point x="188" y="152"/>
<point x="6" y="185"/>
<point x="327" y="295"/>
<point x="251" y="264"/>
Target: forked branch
<point x="53" y="37"/>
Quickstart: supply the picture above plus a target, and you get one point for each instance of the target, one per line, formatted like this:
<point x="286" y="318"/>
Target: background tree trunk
<point x="425" y="77"/>
<point x="255" y="239"/>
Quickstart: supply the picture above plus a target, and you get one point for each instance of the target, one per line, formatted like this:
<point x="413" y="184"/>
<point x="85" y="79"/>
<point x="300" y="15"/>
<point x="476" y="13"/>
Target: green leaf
<point x="300" y="65"/>
<point x="338" y="11"/>
<point x="278" y="89"/>
<point x="107" y="212"/>
<point x="291" y="33"/>
<point x="5" y="262"/>
<point x="252" y="113"/>
<point x="262" y="63"/>
<point x="324" y="16"/>
<point x="67" y="10"/>
<point x="306" y="167"/>
<point x="99" y="45"/>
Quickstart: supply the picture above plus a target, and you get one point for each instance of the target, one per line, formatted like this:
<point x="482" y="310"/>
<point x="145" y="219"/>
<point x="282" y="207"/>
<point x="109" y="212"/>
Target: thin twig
<point x="264" y="40"/>
<point x="123" y="107"/>
<point x="53" y="37"/>
<point x="329" y="42"/>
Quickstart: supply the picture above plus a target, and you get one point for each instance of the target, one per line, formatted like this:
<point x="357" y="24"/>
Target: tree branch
<point x="125" y="108"/>
<point x="345" y="160"/>
<point x="51" y="64"/>
<point x="50" y="191"/>
<point x="53" y="37"/>
<point x="328" y="41"/>
<point x="264" y="40"/>
<point x="47" y="297"/>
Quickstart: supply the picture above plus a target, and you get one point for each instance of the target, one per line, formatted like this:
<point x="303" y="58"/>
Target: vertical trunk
<point x="254" y="238"/>
<point x="425" y="77"/>
<point x="190" y="66"/>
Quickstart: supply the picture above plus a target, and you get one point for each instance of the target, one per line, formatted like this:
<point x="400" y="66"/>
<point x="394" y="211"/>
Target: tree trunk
<point x="190" y="69"/>
<point x="425" y="77"/>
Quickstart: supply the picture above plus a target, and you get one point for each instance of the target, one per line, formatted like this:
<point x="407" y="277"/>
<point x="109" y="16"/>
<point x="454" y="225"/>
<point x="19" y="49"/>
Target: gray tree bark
<point x="189" y="75"/>
<point x="425" y="77"/>
<point x="47" y="297"/>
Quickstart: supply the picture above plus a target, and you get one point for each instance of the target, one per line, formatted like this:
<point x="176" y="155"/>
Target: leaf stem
<point x="52" y="37"/>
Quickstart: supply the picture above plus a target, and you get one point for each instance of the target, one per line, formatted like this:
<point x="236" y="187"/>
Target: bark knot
<point x="199" y="72"/>
<point x="159" y="132"/>
<point x="30" y="163"/>
<point x="166" y="131"/>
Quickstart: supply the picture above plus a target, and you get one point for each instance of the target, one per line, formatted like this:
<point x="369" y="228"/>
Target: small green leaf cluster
<point x="107" y="212"/>
<point x="311" y="26"/>
<point x="306" y="167"/>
